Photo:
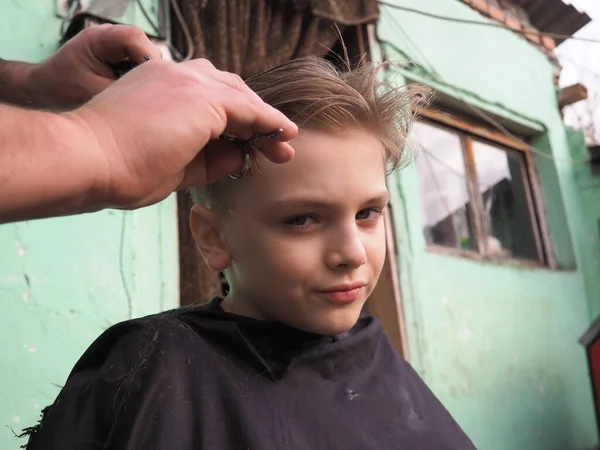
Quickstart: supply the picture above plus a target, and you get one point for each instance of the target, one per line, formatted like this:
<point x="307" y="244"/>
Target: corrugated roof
<point x="554" y="16"/>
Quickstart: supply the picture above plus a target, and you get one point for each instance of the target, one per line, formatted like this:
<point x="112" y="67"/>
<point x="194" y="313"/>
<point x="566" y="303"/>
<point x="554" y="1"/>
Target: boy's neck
<point x="233" y="304"/>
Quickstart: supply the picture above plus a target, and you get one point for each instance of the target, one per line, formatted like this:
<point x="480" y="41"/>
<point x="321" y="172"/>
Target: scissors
<point x="246" y="145"/>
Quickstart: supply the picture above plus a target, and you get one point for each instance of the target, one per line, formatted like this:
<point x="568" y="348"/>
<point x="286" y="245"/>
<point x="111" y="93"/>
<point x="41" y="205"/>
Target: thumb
<point x="113" y="43"/>
<point x="216" y="161"/>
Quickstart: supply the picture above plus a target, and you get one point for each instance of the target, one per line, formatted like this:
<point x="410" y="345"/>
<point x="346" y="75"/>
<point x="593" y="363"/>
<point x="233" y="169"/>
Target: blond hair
<point x="317" y="96"/>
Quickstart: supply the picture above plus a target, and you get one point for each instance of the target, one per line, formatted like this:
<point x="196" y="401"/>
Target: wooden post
<point x="572" y="94"/>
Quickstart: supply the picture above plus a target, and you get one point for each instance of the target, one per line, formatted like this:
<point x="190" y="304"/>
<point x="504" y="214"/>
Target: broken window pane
<point x="445" y="205"/>
<point x="503" y="186"/>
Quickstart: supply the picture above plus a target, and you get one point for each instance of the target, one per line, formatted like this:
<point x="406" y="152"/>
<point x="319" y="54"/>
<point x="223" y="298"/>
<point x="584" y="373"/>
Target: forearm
<point x="15" y="87"/>
<point x="46" y="166"/>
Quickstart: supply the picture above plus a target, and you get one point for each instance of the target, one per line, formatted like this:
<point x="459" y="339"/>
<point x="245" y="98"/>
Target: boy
<point x="283" y="362"/>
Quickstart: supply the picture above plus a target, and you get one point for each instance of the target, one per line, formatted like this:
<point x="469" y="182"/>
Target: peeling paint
<point x="464" y="335"/>
<point x="11" y="279"/>
<point x="20" y="249"/>
<point x="30" y="348"/>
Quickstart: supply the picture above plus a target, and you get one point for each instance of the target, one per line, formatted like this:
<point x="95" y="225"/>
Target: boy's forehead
<point x="324" y="165"/>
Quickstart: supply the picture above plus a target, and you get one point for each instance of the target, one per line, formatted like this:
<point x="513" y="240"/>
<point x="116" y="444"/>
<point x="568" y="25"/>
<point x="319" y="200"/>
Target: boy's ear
<point x="204" y="225"/>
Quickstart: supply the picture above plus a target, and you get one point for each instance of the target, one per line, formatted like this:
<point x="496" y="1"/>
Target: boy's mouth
<point x="343" y="293"/>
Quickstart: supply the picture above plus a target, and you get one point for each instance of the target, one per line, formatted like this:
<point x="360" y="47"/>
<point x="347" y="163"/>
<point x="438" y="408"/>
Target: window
<point x="476" y="193"/>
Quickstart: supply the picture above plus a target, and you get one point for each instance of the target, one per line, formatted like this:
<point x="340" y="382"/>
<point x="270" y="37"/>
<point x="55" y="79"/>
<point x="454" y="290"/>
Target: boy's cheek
<point x="375" y="243"/>
<point x="290" y="252"/>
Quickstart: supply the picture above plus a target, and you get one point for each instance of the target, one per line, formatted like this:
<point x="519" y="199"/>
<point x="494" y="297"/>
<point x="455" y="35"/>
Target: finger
<point x="277" y="152"/>
<point x="217" y="160"/>
<point x="247" y="115"/>
<point x="114" y="43"/>
<point x="236" y="83"/>
<point x="221" y="158"/>
<point x="246" y="112"/>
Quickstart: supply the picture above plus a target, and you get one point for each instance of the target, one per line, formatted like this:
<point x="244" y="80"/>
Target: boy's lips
<point x="343" y="292"/>
<point x="344" y="287"/>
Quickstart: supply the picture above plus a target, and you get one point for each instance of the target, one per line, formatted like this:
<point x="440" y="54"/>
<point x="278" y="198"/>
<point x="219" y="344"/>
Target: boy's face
<point x="303" y="242"/>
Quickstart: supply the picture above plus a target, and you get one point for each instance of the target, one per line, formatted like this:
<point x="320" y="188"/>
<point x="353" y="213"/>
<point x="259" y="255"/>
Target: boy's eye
<point x="368" y="214"/>
<point x="299" y="221"/>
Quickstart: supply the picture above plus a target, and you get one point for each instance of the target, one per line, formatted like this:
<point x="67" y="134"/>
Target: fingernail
<point x="146" y="57"/>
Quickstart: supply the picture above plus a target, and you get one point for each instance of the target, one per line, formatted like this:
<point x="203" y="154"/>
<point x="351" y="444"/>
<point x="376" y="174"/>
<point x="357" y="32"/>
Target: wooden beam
<point x="472" y="127"/>
<point x="572" y="94"/>
<point x="385" y="302"/>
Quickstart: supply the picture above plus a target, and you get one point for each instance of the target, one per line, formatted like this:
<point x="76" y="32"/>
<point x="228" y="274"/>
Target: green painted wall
<point x="497" y="343"/>
<point x="588" y="186"/>
<point x="60" y="279"/>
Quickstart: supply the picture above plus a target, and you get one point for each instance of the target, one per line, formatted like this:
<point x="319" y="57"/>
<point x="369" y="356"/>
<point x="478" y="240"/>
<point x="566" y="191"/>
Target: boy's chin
<point x="330" y="324"/>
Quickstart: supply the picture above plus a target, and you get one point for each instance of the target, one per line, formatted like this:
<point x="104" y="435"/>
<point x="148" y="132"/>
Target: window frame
<point x="470" y="130"/>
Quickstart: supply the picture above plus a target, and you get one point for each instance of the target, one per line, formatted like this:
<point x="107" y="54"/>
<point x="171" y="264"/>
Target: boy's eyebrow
<point x="312" y="202"/>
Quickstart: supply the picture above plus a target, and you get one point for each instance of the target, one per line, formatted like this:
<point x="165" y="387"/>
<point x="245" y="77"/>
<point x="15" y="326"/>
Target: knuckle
<point x="94" y="31"/>
<point x="99" y="30"/>
<point x="235" y="81"/>
<point x="128" y="32"/>
<point x="158" y="64"/>
<point x="198" y="70"/>
<point x="204" y="62"/>
<point x="101" y="27"/>
<point x="186" y="76"/>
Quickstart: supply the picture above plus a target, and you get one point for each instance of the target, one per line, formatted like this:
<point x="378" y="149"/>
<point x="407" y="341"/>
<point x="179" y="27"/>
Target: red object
<point x="591" y="341"/>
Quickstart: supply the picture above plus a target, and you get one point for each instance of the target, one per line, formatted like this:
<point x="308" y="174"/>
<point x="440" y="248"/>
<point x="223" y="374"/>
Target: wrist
<point x="89" y="158"/>
<point x="96" y="136"/>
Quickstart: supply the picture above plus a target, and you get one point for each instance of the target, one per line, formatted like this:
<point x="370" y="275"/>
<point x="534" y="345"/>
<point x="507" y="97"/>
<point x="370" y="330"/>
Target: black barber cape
<point x="200" y="378"/>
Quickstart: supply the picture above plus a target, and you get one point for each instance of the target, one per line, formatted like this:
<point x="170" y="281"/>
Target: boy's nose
<point x="346" y="249"/>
